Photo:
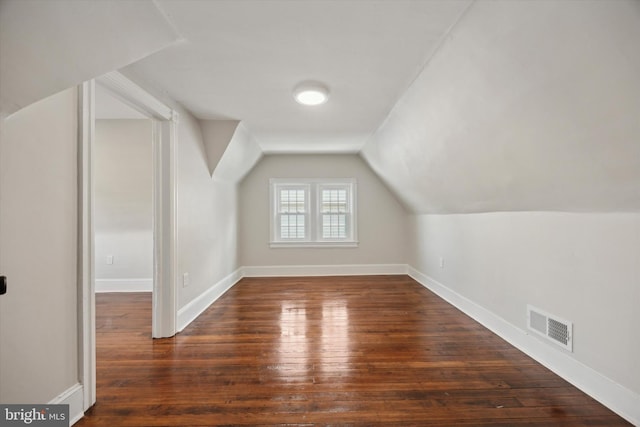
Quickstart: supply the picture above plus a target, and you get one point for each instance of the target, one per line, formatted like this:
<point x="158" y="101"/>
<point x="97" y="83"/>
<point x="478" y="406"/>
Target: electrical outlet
<point x="109" y="259"/>
<point x="185" y="280"/>
<point x="441" y="262"/>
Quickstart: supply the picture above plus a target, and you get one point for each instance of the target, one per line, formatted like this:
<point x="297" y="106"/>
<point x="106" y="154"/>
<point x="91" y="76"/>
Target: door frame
<point x="165" y="236"/>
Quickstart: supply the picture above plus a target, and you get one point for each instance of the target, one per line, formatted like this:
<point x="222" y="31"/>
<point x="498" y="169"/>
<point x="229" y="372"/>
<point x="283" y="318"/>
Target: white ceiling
<point x="241" y="60"/>
<point x="460" y="106"/>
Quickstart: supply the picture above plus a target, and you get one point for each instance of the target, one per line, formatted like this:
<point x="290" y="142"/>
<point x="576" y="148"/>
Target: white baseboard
<point x="124" y="285"/>
<point x="193" y="309"/>
<point x="73" y="397"/>
<point x="323" y="270"/>
<point x="616" y="397"/>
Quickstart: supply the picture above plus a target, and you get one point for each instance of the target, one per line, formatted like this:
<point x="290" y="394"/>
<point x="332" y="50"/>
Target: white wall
<point x="381" y="218"/>
<point x="38" y="220"/>
<point x="581" y="267"/>
<point x="123" y="204"/>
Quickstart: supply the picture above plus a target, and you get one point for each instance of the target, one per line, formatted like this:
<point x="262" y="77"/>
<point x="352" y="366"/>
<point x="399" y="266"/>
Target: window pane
<point x="334" y="226"/>
<point x="334" y="201"/>
<point x="292" y="227"/>
<point x="292" y="201"/>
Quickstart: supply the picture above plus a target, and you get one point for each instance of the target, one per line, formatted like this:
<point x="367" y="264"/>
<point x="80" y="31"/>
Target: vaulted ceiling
<point x="459" y="106"/>
<point x="48" y="46"/>
<point x="241" y="60"/>
<point x="528" y="106"/>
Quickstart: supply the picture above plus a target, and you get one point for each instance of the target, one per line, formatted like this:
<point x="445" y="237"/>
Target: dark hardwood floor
<point x="375" y="350"/>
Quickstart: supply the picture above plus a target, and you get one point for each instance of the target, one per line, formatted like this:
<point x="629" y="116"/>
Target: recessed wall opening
<point x="123" y="202"/>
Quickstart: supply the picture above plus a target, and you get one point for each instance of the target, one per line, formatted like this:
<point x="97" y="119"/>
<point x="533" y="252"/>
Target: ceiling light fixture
<point x="311" y="93"/>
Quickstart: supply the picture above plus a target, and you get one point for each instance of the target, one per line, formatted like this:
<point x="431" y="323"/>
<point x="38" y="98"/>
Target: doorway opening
<point x="162" y="123"/>
<point x="123" y="189"/>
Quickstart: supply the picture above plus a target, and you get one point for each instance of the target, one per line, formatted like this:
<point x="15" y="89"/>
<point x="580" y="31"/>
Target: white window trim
<point x="314" y="223"/>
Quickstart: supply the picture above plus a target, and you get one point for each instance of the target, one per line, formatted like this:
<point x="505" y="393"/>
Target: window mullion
<point x="308" y="212"/>
<point x="313" y="212"/>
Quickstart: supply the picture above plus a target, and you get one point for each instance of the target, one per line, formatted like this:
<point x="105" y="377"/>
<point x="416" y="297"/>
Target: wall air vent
<point x="551" y="327"/>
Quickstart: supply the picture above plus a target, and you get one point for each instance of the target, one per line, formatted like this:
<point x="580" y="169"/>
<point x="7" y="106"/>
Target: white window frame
<point x="313" y="221"/>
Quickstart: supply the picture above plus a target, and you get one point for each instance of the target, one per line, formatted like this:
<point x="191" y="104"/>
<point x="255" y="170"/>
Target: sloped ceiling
<point x="460" y="106"/>
<point x="240" y="156"/>
<point x="48" y="46"/>
<point x="109" y="106"/>
<point x="241" y="60"/>
<point x="525" y="106"/>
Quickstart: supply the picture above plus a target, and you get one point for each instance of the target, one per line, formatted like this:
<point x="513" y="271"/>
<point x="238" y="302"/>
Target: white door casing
<point x="164" y="217"/>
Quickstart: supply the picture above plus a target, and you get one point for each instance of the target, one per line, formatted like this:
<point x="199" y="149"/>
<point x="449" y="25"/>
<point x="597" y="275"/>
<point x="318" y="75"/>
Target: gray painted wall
<point x="123" y="221"/>
<point x="580" y="267"/>
<point x="38" y="220"/>
<point x="381" y="218"/>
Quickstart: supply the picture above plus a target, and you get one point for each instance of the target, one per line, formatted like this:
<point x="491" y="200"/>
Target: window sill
<point x="350" y="244"/>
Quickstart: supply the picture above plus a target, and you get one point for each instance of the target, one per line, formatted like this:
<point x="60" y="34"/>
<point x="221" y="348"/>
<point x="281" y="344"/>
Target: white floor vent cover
<point x="551" y="327"/>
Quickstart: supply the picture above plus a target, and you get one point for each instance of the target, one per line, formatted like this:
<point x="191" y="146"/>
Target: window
<point x="313" y="212"/>
<point x="334" y="210"/>
<point x="292" y="212"/>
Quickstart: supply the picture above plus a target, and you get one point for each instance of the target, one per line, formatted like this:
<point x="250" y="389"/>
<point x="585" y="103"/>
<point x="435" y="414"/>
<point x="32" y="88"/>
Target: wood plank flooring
<point x="372" y="350"/>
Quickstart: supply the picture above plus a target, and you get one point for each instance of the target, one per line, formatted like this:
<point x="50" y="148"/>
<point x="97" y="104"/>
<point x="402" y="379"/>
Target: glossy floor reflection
<point x="323" y="351"/>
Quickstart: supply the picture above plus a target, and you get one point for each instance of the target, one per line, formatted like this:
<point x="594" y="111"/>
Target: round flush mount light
<point x="311" y="93"/>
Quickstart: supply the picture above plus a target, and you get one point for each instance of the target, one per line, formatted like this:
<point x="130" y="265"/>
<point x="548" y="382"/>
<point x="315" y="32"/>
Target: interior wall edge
<point x="199" y="304"/>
